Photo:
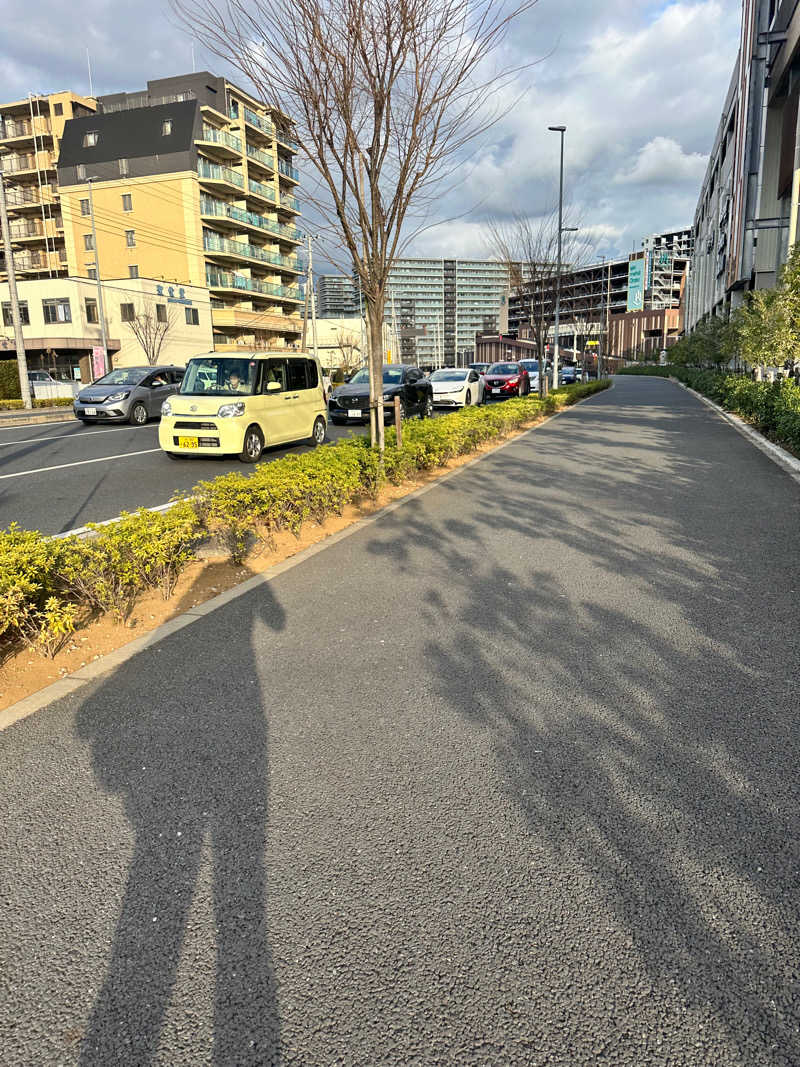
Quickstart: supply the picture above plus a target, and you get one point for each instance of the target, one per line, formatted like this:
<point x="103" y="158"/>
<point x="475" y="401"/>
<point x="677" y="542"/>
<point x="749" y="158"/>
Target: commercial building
<point x="61" y="322"/>
<point x="436" y="307"/>
<point x="192" y="183"/>
<point x="746" y="216"/>
<point x="337" y="296"/>
<point x="30" y="138"/>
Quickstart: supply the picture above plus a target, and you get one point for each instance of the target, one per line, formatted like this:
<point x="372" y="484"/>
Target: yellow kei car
<point x="239" y="405"/>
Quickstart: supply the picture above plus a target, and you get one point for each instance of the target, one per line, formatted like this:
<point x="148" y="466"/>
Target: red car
<point x="506" y="379"/>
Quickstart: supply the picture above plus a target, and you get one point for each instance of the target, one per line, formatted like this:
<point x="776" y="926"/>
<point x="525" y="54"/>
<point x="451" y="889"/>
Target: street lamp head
<point x="557" y="129"/>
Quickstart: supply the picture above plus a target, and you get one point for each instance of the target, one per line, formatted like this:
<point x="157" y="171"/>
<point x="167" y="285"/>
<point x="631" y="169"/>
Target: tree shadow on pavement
<point x="180" y="733"/>
<point x="626" y="648"/>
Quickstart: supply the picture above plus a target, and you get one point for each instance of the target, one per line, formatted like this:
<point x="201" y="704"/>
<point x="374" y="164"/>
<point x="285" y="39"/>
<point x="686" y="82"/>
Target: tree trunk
<point x="375" y="310"/>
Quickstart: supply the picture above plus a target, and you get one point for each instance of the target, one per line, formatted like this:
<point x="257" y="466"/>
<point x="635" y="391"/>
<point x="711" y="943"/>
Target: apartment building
<point x="436" y="307"/>
<point x="61" y="322"/>
<point x="193" y="183"/>
<point x="337" y="296"/>
<point x="30" y="138"/>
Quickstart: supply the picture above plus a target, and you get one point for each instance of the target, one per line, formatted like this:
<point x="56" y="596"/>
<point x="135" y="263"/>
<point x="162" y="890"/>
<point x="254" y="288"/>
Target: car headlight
<point x="230" y="411"/>
<point x="388" y="396"/>
<point x="115" y="397"/>
<point x="166" y="408"/>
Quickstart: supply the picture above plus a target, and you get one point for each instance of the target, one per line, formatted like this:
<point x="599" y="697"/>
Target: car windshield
<point x="391" y="376"/>
<point x="504" y="368"/>
<point x="449" y="374"/>
<point x="128" y="376"/>
<point x="529" y="364"/>
<point x="219" y="376"/>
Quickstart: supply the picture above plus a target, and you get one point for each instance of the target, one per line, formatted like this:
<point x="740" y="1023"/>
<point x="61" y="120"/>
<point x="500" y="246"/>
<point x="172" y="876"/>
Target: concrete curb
<point x="92" y="671"/>
<point x="778" y="455"/>
<point x="13" y="422"/>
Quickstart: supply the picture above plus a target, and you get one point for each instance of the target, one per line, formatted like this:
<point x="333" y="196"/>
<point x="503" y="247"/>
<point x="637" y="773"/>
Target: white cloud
<point x="662" y="160"/>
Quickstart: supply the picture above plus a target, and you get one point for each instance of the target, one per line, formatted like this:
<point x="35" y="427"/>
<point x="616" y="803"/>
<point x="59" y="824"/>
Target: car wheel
<point x="427" y="408"/>
<point x="468" y="401"/>
<point x="318" y="433"/>
<point x="138" y="415"/>
<point x="252" y="446"/>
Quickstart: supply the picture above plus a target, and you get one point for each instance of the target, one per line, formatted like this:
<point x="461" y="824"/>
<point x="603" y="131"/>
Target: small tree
<point x="386" y="95"/>
<point x="151" y="325"/>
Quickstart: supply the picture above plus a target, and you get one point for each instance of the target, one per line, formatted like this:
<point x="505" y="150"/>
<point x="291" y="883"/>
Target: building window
<point x="130" y="238"/>
<point x="127" y="202"/>
<point x="23" y="314"/>
<point x="88" y="242"/>
<point x="56" y="311"/>
<point x="84" y="207"/>
<point x="91" y="311"/>
<point x="123" y="167"/>
<point x="90" y="139"/>
<point x="126" y="312"/>
<point x="58" y="109"/>
<point x="81" y="172"/>
<point x="166" y="127"/>
<point x="133" y="270"/>
<point x="192" y="317"/>
<point x="161" y="312"/>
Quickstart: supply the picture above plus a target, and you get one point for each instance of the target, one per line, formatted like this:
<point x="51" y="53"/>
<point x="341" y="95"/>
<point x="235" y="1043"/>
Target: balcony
<point x="226" y="143"/>
<point x="262" y="124"/>
<point x="213" y="172"/>
<point x="27" y="231"/>
<point x="263" y="159"/>
<point x="264" y="191"/>
<point x="215" y="244"/>
<point x="19" y="129"/>
<point x="21" y="197"/>
<point x="224" y="279"/>
<point x="242" y="318"/>
<point x="289" y="203"/>
<point x="219" y="209"/>
<point x="288" y="171"/>
<point x="283" y="138"/>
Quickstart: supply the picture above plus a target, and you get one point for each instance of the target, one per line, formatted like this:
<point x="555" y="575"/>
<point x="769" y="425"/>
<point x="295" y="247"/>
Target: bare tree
<point x="528" y="246"/>
<point x="385" y="96"/>
<point x="151" y="325"/>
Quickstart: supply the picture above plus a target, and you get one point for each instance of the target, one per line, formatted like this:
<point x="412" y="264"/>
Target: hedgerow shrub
<point x="9" y="379"/>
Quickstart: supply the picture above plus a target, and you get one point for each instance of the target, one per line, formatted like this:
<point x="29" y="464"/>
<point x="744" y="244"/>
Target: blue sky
<point x="639" y="86"/>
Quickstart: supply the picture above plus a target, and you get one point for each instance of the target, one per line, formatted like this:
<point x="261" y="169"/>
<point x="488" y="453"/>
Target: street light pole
<point x="100" y="306"/>
<point x="19" y="340"/>
<point x="560" y="130"/>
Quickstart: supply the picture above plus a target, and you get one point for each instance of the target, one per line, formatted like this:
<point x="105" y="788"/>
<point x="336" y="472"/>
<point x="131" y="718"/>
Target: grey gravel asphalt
<point x="537" y="805"/>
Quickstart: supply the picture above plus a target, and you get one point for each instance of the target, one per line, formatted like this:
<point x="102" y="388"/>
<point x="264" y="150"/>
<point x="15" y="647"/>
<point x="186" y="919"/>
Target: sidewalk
<point x="28" y="418"/>
<point x="500" y="778"/>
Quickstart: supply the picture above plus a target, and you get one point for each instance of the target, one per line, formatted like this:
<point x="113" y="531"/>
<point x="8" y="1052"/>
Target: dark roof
<point x="129" y="134"/>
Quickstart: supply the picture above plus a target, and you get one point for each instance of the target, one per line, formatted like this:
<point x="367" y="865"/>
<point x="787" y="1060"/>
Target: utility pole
<point x="560" y="130"/>
<point x="100" y="305"/>
<point x="19" y="341"/>
<point x="313" y="296"/>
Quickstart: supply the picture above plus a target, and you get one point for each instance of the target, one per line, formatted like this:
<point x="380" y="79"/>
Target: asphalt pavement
<point x="59" y="476"/>
<point x="508" y="776"/>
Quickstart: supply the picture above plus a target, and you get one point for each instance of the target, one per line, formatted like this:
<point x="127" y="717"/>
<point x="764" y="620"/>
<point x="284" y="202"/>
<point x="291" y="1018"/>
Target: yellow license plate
<point x="188" y="442"/>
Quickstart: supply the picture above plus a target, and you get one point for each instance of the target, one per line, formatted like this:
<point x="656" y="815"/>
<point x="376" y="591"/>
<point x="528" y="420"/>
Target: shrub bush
<point x="9" y="379"/>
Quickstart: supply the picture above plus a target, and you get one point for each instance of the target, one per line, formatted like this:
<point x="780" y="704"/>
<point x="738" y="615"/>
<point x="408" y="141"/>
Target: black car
<point x="350" y="402"/>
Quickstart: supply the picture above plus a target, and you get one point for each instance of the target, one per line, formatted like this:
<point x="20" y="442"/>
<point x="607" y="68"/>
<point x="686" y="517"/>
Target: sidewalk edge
<point x="82" y="677"/>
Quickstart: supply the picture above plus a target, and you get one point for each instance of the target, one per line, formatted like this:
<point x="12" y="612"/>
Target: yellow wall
<point x="165" y="220"/>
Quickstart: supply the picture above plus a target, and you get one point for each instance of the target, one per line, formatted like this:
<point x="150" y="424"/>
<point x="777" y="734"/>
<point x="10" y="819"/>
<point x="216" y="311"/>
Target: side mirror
<point x="273" y="387"/>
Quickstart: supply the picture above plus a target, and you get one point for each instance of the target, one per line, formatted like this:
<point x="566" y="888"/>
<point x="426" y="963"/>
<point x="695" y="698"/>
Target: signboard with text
<point x="98" y="361"/>
<point x="636" y="285"/>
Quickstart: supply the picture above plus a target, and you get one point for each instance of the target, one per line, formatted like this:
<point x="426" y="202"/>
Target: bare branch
<point x="151" y="325"/>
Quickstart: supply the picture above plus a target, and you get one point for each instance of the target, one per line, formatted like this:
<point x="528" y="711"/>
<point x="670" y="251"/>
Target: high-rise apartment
<point x="337" y="296"/>
<point x="193" y="182"/>
<point x="441" y="304"/>
<point x="30" y="136"/>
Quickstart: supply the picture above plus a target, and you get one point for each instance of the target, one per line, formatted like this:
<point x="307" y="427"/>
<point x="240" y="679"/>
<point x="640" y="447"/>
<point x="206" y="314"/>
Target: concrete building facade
<point x="193" y="183"/>
<point x="30" y="139"/>
<point x="337" y="296"/>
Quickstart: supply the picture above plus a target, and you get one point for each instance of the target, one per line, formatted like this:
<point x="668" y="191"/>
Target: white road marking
<point x="79" y="463"/>
<point x="79" y="436"/>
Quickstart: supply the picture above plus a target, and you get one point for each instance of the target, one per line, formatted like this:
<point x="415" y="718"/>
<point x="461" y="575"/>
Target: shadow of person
<point x="181" y="734"/>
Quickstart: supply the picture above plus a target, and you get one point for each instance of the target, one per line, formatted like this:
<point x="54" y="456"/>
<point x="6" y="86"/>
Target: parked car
<point x="456" y="387"/>
<point x="532" y="367"/>
<point x="568" y="374"/>
<point x="234" y="405"/>
<point x="41" y="377"/>
<point x="481" y="368"/>
<point x="350" y="402"/>
<point x="128" y="394"/>
<point x="503" y="380"/>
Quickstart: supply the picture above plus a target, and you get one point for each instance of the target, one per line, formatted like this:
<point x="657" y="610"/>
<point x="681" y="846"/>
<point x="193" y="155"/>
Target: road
<point x="536" y="803"/>
<point x="59" y="476"/>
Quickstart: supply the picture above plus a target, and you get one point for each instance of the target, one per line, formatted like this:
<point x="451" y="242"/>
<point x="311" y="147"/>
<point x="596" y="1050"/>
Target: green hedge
<point x="9" y="379"/>
<point x="774" y="407"/>
<point x="48" y="587"/>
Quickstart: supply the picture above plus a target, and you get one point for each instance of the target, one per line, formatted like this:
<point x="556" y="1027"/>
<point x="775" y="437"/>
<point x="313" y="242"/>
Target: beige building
<point x="61" y="323"/>
<point x="193" y="183"/>
<point x="30" y="138"/>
